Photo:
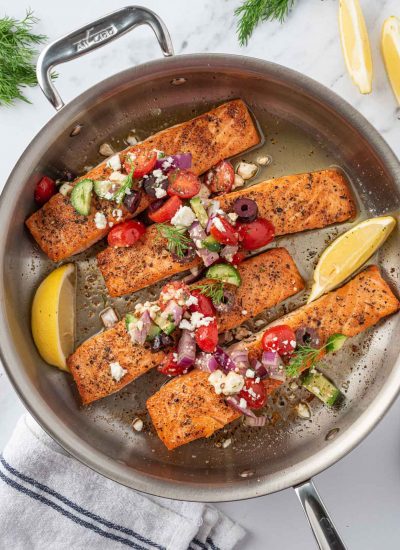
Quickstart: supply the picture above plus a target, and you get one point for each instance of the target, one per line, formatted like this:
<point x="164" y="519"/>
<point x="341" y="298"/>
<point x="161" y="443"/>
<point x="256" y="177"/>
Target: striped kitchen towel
<point x="49" y="500"/>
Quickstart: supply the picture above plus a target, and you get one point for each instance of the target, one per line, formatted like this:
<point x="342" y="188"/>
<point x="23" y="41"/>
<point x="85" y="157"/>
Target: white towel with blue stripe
<point x="49" y="500"/>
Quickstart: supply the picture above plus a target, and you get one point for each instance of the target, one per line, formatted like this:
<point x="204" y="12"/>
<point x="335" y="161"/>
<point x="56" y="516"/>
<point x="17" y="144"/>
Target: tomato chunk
<point x="223" y="231"/>
<point x="167" y="211"/>
<point x="280" y="339"/>
<point x="44" y="190"/>
<point x="183" y="183"/>
<point x="207" y="337"/>
<point x="220" y="178"/>
<point x="256" y="234"/>
<point x="204" y="304"/>
<point x="175" y="290"/>
<point x="238" y="257"/>
<point x="142" y="162"/>
<point x="126" y="234"/>
<point x="254" y="393"/>
<point x="170" y="367"/>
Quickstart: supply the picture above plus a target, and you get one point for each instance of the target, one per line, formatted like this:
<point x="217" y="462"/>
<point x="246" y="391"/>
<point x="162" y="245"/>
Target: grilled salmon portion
<point x="292" y="203"/>
<point x="221" y="133"/>
<point x="267" y="279"/>
<point x="180" y="415"/>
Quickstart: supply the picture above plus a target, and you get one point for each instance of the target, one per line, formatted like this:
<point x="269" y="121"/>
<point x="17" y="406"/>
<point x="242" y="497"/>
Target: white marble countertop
<point x="362" y="492"/>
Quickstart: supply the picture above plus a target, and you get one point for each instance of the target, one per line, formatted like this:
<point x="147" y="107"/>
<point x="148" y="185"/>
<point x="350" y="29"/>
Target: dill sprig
<point x="177" y="240"/>
<point x="17" y="52"/>
<point x="213" y="289"/>
<point x="252" y="12"/>
<point x="306" y="356"/>
<point x="127" y="184"/>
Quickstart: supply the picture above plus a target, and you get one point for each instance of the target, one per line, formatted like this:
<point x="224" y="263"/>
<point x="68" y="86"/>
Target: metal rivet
<point x="332" y="434"/>
<point x="178" y="81"/>
<point x="76" y="130"/>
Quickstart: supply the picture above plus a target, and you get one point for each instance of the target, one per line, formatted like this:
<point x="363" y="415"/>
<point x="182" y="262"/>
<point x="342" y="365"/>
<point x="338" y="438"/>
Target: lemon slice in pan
<point x="355" y="43"/>
<point x="349" y="252"/>
<point x="390" y="43"/>
<point x="53" y="316"/>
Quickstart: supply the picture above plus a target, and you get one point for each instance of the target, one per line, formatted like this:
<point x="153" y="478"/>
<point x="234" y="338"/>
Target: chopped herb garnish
<point x="178" y="241"/>
<point x="307" y="357"/>
<point x="213" y="289"/>
<point x="127" y="184"/>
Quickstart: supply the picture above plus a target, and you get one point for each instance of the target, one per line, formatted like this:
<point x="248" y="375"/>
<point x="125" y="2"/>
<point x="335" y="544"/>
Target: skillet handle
<point x="92" y="36"/>
<point x="321" y="524"/>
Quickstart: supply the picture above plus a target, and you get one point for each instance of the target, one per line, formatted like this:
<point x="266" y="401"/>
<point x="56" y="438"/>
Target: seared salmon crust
<point x="267" y="279"/>
<point x="180" y="414"/>
<point x="292" y="203"/>
<point x="219" y="134"/>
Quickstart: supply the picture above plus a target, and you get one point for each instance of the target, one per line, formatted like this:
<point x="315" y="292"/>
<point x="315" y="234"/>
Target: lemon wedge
<point x="53" y="316"/>
<point x="390" y="43"/>
<point x="355" y="43"/>
<point x="349" y="252"/>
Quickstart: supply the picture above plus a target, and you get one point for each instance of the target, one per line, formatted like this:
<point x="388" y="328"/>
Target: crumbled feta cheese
<point x="234" y="382"/>
<point x="217" y="379"/>
<point x="117" y="177"/>
<point x="257" y="379"/>
<point x="100" y="220"/>
<point x="160" y="192"/>
<point x="264" y="161"/>
<point x="243" y="403"/>
<point x="192" y="301"/>
<point x="159" y="176"/>
<point x="185" y="324"/>
<point x="114" y="163"/>
<point x="65" y="189"/>
<point x="233" y="217"/>
<point x="117" y="214"/>
<point x="131" y="139"/>
<point x="238" y="181"/>
<point x="184" y="217"/>
<point x="117" y="372"/>
<point x="246" y="170"/>
<point x="197" y="320"/>
<point x="219" y="225"/>
<point x="293" y="343"/>
<point x="137" y="424"/>
<point x="250" y="373"/>
<point x="110" y="224"/>
<point x="175" y="356"/>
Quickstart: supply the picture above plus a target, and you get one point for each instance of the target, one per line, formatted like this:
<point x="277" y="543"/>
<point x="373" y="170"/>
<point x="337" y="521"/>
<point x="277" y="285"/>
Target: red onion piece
<point x="171" y="162"/>
<point x="139" y="335"/>
<point x="234" y="402"/>
<point x="108" y="317"/>
<point x="273" y="363"/>
<point x="186" y="350"/>
<point x="175" y="310"/>
<point x="228" y="251"/>
<point x="206" y="362"/>
<point x="256" y="422"/>
<point x="224" y="360"/>
<point x="259" y="369"/>
<point x="197" y="234"/>
<point x="240" y="356"/>
<point x="209" y="223"/>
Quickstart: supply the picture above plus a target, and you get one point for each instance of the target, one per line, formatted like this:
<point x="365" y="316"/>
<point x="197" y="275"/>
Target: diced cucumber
<point x="321" y="387"/>
<point x="199" y="210"/>
<point x="153" y="332"/>
<point x="129" y="320"/>
<point x="335" y="342"/>
<point x="211" y="244"/>
<point x="224" y="272"/>
<point x="81" y="196"/>
<point x="104" y="189"/>
<point x="165" y="325"/>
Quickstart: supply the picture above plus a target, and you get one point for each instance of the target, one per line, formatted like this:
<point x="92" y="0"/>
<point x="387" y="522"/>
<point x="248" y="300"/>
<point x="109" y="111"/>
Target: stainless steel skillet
<point x="306" y="127"/>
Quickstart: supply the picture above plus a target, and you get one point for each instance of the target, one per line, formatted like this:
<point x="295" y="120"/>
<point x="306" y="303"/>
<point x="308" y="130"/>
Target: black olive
<point x="307" y="336"/>
<point x="246" y="209"/>
<point x="132" y="201"/>
<point x="161" y="341"/>
<point x="189" y="255"/>
<point x="150" y="185"/>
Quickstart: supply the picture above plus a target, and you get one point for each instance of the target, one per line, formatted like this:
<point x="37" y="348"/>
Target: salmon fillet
<point x="291" y="203"/>
<point x="267" y="279"/>
<point x="219" y="134"/>
<point x="180" y="415"/>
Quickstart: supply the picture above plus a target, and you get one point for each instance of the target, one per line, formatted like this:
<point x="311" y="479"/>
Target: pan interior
<point x="300" y="134"/>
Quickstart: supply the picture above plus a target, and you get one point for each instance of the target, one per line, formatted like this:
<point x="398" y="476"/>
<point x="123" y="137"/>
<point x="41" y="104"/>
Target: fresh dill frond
<point x="127" y="184"/>
<point x="213" y="289"/>
<point x="307" y="357"/>
<point x="17" y="53"/>
<point x="252" y="12"/>
<point x="177" y="240"/>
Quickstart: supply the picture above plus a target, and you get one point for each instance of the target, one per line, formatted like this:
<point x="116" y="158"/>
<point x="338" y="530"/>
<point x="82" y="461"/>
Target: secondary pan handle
<point x="321" y="524"/>
<point x="92" y="36"/>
